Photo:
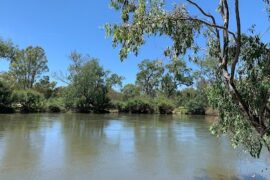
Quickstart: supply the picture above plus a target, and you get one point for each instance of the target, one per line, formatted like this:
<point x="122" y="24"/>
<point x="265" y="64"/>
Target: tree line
<point x="91" y="88"/>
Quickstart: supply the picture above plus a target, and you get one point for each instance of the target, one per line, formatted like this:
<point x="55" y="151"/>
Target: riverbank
<point x="180" y="111"/>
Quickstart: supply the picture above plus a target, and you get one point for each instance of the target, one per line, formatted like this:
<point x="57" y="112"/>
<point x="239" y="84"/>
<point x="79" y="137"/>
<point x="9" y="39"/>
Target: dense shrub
<point x="194" y="100"/>
<point x="5" y="98"/>
<point x="28" y="101"/>
<point x="164" y="105"/>
<point x="195" y="107"/>
<point x="141" y="105"/>
<point x="121" y="106"/>
<point x="55" y="105"/>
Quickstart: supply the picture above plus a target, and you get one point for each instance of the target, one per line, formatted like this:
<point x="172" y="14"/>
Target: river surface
<point x="116" y="147"/>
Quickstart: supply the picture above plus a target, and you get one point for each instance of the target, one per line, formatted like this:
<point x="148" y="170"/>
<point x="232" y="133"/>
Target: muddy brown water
<point x="120" y="146"/>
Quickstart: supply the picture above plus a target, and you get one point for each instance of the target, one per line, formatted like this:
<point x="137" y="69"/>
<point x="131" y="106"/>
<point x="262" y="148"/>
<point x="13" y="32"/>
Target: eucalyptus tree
<point x="130" y="91"/>
<point x="46" y="87"/>
<point x="27" y="65"/>
<point x="89" y="85"/>
<point x="243" y="113"/>
<point x="149" y="76"/>
<point x="7" y="50"/>
<point x="177" y="74"/>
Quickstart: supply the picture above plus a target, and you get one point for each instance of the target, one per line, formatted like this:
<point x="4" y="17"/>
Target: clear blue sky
<point x="60" y="26"/>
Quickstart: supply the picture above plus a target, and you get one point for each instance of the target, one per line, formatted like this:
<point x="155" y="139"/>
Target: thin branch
<point x="209" y="24"/>
<point x="61" y="77"/>
<point x="265" y="32"/>
<point x="210" y="16"/>
<point x="202" y="11"/>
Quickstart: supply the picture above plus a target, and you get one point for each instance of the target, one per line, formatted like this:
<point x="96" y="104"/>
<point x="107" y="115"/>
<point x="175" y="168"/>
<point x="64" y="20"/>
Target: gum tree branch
<point x="238" y="40"/>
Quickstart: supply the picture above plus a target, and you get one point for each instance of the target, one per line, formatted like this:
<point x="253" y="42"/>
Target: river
<point x="124" y="146"/>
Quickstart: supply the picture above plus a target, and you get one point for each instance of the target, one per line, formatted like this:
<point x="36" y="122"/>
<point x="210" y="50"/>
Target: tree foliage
<point x="240" y="86"/>
<point x="46" y="87"/>
<point x="7" y="50"/>
<point x="5" y="97"/>
<point x="28" y="100"/>
<point x="254" y="86"/>
<point x="149" y="76"/>
<point x="89" y="85"/>
<point x="27" y="65"/>
<point x="130" y="91"/>
<point x="150" y="18"/>
<point x="154" y="76"/>
<point x="177" y="74"/>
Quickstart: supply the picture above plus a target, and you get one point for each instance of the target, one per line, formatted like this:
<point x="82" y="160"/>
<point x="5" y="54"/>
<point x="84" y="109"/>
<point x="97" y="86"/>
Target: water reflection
<point x="83" y="146"/>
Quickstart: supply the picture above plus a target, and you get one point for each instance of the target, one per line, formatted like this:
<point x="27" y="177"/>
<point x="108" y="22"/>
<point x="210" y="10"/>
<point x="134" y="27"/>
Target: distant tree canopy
<point x="130" y="91"/>
<point x="46" y="87"/>
<point x="149" y="76"/>
<point x="27" y="66"/>
<point x="22" y="88"/>
<point x="177" y="75"/>
<point x="154" y="76"/>
<point x="239" y="63"/>
<point x="89" y="84"/>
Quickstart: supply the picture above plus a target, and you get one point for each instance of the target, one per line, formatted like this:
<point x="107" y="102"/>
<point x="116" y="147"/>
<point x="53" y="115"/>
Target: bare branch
<point x="201" y="10"/>
<point x="61" y="77"/>
<point x="213" y="21"/>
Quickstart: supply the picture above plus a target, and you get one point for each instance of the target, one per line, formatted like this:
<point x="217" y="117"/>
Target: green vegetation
<point x="145" y="105"/>
<point x="233" y="77"/>
<point x="21" y="88"/>
<point x="5" y="98"/>
<point x="149" y="76"/>
<point x="164" y="105"/>
<point x="236" y="64"/>
<point x="27" y="66"/>
<point x="90" y="88"/>
<point x="28" y="101"/>
<point x="7" y="50"/>
<point x="157" y="90"/>
<point x="130" y="91"/>
<point x="55" y="105"/>
<point x="89" y="85"/>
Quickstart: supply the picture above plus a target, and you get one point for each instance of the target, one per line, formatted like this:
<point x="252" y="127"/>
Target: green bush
<point x="164" y="105"/>
<point x="5" y="98"/>
<point x="194" y="100"/>
<point x="121" y="106"/>
<point x="28" y="101"/>
<point x="145" y="105"/>
<point x="195" y="107"/>
<point x="55" y="105"/>
<point x="141" y="105"/>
